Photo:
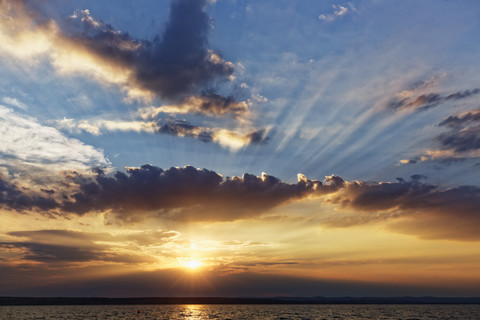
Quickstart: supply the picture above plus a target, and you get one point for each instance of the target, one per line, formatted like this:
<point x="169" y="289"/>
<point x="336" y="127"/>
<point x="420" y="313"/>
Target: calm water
<point x="174" y="312"/>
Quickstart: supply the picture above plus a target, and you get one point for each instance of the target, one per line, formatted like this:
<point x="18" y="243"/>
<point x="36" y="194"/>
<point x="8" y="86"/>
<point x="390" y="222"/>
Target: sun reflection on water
<point x="194" y="311"/>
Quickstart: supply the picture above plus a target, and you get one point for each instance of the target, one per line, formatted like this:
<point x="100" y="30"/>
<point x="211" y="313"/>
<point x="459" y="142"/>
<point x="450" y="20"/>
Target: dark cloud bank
<point x="190" y="194"/>
<point x="197" y="194"/>
<point x="427" y="210"/>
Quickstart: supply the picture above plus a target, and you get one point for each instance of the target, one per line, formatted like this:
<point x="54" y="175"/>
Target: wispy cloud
<point x="99" y="126"/>
<point x="338" y="11"/>
<point x="409" y="100"/>
<point x="14" y="102"/>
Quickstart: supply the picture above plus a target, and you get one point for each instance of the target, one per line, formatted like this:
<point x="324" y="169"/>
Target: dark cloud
<point x="12" y="197"/>
<point x="172" y="65"/>
<point x="55" y="253"/>
<point x="212" y="103"/>
<point x="176" y="64"/>
<point x="458" y="143"/>
<point x="418" y="177"/>
<point x="184" y="129"/>
<point x="199" y="194"/>
<point x="176" y="193"/>
<point x="462" y="119"/>
<point x="462" y="94"/>
<point x="429" y="211"/>
<point x="426" y="101"/>
<point x="258" y="136"/>
<point x="424" y="84"/>
<point x="464" y="132"/>
<point x="466" y="139"/>
<point x="64" y="246"/>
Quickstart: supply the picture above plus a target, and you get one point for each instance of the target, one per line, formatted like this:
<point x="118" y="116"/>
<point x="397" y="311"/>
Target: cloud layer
<point x="190" y="194"/>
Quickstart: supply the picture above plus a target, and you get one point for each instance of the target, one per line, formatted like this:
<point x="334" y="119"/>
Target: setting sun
<point x="193" y="264"/>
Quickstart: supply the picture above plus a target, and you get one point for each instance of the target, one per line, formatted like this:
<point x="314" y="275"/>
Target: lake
<point x="237" y="311"/>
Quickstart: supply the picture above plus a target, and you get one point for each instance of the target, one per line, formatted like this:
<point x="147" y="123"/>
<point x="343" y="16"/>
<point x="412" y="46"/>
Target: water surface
<point x="250" y="312"/>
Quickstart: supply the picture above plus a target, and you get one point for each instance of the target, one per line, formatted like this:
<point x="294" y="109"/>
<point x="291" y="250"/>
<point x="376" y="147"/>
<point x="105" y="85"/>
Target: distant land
<point x="24" y="301"/>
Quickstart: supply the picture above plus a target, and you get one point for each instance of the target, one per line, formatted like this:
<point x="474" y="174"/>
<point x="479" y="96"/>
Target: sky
<point x="239" y="148"/>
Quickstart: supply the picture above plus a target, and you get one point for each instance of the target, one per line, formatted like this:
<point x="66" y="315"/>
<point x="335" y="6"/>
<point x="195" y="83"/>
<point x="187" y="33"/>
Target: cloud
<point x="173" y="66"/>
<point x="100" y="126"/>
<point x="409" y="100"/>
<point x="441" y="156"/>
<point x="465" y="139"/>
<point x="37" y="152"/>
<point x="258" y="136"/>
<point x="64" y="246"/>
<point x="54" y="253"/>
<point x="233" y="140"/>
<point x="184" y="129"/>
<point x="338" y="12"/>
<point x="22" y="137"/>
<point x="415" y="208"/>
<point x="207" y="104"/>
<point x="12" y="198"/>
<point x="462" y="119"/>
<point x="14" y="102"/>
<point x="460" y="142"/>
<point x="190" y="194"/>
<point x="464" y="133"/>
<point x="88" y="239"/>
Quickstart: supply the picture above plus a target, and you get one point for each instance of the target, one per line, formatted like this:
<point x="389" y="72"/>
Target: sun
<point x="192" y="264"/>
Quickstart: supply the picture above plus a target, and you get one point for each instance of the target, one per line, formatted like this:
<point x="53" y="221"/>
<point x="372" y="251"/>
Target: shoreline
<point x="38" y="301"/>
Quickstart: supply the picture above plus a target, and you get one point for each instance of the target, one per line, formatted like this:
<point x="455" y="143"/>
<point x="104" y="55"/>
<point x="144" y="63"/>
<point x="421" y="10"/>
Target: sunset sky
<point x="239" y="148"/>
